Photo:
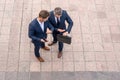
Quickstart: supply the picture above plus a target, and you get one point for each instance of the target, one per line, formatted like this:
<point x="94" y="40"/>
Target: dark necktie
<point x="58" y="22"/>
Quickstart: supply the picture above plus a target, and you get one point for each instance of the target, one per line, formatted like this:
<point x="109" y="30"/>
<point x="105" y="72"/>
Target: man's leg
<point x="42" y="44"/>
<point x="60" y="47"/>
<point x="36" y="49"/>
<point x="54" y="34"/>
<point x="36" y="52"/>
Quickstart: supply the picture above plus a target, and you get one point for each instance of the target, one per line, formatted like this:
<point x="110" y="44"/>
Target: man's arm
<point x="70" y="22"/>
<point x="31" y="33"/>
<point x="50" y="26"/>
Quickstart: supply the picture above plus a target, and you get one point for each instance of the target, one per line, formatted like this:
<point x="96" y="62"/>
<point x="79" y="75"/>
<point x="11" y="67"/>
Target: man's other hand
<point x="48" y="31"/>
<point x="61" y="30"/>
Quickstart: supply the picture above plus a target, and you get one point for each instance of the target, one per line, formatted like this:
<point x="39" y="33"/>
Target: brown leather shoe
<point x="52" y="43"/>
<point x="59" y="54"/>
<point x="46" y="48"/>
<point x="40" y="59"/>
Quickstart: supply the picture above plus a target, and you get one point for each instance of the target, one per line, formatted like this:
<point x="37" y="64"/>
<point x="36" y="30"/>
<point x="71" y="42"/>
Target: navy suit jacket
<point x="35" y="32"/>
<point x="63" y="18"/>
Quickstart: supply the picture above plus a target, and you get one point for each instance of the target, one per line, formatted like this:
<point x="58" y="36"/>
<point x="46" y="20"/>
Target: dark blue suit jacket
<point x="63" y="18"/>
<point x="35" y="32"/>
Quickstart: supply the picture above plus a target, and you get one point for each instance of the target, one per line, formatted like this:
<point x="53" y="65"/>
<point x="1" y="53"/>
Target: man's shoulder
<point x="51" y="15"/>
<point x="33" y="22"/>
<point x="64" y="11"/>
<point x="46" y="22"/>
<point x="51" y="12"/>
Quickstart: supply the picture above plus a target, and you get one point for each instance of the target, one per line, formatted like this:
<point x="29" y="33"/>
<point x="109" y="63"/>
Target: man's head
<point x="57" y="12"/>
<point x="43" y="15"/>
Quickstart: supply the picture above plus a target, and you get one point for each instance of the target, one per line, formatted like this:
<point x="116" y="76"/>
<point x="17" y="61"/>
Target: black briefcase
<point x="64" y="39"/>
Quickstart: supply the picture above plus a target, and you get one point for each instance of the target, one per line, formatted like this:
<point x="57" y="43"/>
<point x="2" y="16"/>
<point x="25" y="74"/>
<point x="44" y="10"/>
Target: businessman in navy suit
<point x="57" y="18"/>
<point x="38" y="30"/>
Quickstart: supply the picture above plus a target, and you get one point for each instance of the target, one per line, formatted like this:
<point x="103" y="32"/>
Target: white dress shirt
<point x="41" y="25"/>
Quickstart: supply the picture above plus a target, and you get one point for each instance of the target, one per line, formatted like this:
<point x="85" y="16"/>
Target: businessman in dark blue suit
<point x="57" y="18"/>
<point x="38" y="30"/>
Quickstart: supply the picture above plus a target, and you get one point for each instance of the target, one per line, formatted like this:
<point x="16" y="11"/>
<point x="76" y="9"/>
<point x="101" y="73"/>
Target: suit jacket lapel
<point x="45" y="27"/>
<point x="61" y="17"/>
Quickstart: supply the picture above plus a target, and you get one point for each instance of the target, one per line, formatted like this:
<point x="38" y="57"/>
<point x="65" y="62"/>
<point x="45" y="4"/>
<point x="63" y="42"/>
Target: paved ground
<point x="93" y="54"/>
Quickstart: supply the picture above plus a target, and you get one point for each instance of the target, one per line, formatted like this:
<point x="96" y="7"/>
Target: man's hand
<point x="61" y="30"/>
<point x="48" y="31"/>
<point x="65" y="33"/>
<point x="43" y="40"/>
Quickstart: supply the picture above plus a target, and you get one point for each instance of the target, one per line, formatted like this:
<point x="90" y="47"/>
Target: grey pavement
<point x="93" y="55"/>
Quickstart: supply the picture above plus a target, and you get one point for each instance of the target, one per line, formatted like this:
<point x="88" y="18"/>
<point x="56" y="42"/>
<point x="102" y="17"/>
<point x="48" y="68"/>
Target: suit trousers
<point x="37" y="46"/>
<point x="60" y="44"/>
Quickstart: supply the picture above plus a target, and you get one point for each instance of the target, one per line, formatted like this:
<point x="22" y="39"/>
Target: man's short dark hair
<point x="44" y="14"/>
<point x="58" y="11"/>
